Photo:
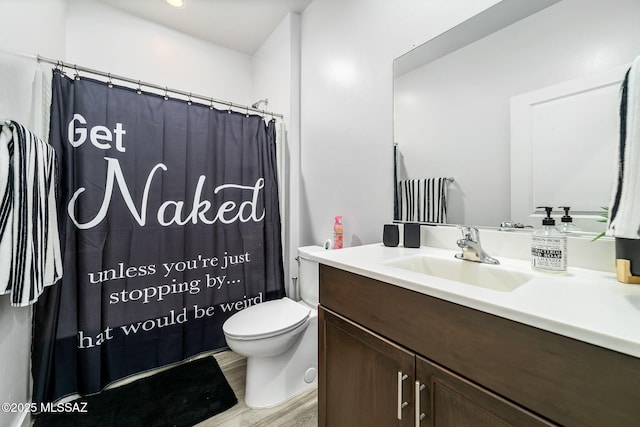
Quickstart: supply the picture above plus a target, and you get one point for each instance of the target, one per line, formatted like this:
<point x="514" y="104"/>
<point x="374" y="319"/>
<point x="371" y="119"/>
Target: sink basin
<point x="494" y="277"/>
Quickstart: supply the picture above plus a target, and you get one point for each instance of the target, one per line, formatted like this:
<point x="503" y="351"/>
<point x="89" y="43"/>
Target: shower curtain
<point x="170" y="223"/>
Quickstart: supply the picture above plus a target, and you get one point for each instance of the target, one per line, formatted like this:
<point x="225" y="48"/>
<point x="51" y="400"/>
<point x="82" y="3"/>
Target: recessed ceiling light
<point x="176" y="3"/>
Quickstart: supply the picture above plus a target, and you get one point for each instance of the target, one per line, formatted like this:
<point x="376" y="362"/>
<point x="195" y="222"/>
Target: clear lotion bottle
<point x="549" y="247"/>
<point x="567" y="225"/>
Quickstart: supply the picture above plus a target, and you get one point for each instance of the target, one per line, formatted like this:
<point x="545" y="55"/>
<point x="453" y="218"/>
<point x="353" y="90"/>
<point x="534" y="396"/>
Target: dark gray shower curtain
<point x="169" y="224"/>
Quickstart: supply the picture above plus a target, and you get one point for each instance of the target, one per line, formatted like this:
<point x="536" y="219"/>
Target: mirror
<point x="519" y="106"/>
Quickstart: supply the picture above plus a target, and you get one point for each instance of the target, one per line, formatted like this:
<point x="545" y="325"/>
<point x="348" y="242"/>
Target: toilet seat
<point x="266" y="319"/>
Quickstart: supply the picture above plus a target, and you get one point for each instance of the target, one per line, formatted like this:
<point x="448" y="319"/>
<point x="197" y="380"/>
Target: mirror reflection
<point x="522" y="115"/>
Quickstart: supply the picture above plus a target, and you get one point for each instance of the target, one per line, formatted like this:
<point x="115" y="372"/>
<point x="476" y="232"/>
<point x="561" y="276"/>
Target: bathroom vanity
<point x="399" y="347"/>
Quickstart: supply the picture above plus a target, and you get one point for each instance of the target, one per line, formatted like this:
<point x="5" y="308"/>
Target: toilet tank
<point x="308" y="275"/>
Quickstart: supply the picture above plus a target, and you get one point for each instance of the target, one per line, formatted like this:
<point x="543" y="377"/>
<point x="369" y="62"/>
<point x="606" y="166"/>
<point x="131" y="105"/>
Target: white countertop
<point x="587" y="305"/>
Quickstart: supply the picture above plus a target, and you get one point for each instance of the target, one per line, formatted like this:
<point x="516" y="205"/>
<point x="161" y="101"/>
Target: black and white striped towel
<point x="624" y="208"/>
<point x="30" y="257"/>
<point x="423" y="200"/>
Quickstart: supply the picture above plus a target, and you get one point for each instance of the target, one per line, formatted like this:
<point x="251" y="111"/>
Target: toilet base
<point x="274" y="380"/>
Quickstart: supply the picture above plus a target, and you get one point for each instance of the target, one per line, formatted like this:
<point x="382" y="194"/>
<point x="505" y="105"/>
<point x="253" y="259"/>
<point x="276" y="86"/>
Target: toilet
<point x="279" y="338"/>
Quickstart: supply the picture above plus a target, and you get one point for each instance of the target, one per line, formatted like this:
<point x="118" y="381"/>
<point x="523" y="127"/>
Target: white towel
<point x="30" y="257"/>
<point x="624" y="209"/>
<point x="423" y="200"/>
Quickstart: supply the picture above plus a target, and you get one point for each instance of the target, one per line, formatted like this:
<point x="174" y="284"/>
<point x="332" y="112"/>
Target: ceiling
<point x="241" y="25"/>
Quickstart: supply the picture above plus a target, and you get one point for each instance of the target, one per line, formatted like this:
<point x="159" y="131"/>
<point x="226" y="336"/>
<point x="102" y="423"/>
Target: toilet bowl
<point x="279" y="338"/>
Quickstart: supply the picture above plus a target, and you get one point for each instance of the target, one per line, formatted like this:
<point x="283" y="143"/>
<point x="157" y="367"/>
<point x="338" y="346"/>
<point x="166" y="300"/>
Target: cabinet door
<point x="364" y="379"/>
<point x="450" y="400"/>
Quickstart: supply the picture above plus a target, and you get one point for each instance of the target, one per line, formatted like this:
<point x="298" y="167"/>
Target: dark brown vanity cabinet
<point x="367" y="380"/>
<point x="389" y="356"/>
<point x="450" y="400"/>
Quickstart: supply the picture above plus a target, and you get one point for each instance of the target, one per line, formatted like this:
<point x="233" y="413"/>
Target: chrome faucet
<point x="471" y="248"/>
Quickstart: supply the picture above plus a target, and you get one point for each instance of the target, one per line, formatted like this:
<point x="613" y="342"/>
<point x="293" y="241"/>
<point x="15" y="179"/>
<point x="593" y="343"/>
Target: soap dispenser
<point x="567" y="225"/>
<point x="549" y="247"/>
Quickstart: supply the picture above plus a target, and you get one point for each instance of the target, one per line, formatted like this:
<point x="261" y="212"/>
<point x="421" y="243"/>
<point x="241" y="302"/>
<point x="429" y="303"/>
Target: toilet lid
<point x="266" y="319"/>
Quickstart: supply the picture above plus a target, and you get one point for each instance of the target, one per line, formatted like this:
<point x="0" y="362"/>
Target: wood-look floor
<point x="301" y="411"/>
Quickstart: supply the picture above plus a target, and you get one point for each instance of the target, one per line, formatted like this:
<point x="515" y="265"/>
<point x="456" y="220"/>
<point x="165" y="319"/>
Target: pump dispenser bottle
<point x="549" y="247"/>
<point x="567" y="225"/>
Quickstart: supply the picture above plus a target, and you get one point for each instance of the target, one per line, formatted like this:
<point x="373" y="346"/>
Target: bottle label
<point x="337" y="240"/>
<point x="549" y="253"/>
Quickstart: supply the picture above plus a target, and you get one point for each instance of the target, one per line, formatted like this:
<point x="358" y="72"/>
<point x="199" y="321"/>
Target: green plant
<point x="605" y="218"/>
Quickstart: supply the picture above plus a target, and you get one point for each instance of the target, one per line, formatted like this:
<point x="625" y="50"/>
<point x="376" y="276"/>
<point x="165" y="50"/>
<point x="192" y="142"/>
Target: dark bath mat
<point x="181" y="396"/>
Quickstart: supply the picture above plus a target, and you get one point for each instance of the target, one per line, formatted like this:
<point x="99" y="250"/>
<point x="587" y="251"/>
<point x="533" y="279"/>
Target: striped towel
<point x="423" y="200"/>
<point x="30" y="257"/>
<point x="624" y="208"/>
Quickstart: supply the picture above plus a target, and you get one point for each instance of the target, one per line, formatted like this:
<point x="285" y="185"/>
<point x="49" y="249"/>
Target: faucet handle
<point x="470" y="233"/>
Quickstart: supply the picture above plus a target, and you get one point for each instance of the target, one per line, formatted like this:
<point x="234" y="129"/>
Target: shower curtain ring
<point x="109" y="83"/>
<point x="189" y="101"/>
<point x="77" y="76"/>
<point x="247" y="114"/>
<point x="139" y="90"/>
<point x="211" y="104"/>
<point x="166" y="90"/>
<point x="58" y="65"/>
<point x="229" y="110"/>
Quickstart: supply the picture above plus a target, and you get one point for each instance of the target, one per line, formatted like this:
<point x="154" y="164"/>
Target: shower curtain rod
<point x="165" y="89"/>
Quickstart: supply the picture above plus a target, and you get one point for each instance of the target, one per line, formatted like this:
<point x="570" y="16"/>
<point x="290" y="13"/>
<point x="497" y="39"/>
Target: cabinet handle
<point x="419" y="415"/>
<point x="401" y="403"/>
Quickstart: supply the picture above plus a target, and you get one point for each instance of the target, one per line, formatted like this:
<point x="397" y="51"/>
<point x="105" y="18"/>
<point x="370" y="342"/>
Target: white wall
<point x="346" y="144"/>
<point x="276" y="76"/>
<point x="31" y="27"/>
<point x="453" y="118"/>
<point x="106" y="39"/>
